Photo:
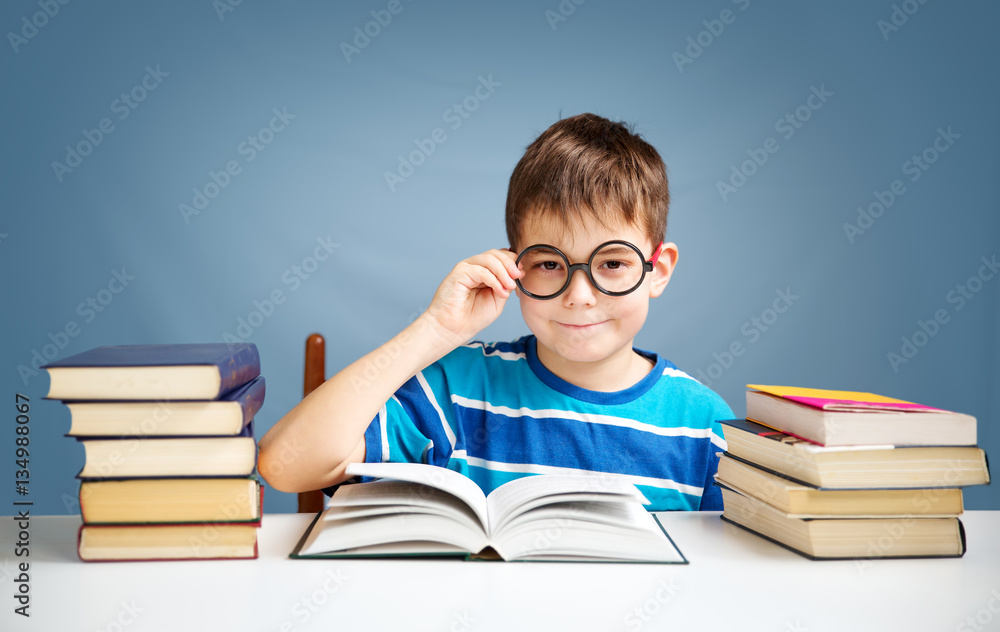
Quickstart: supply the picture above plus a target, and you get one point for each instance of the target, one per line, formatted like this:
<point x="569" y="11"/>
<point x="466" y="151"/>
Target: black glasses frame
<point x="647" y="266"/>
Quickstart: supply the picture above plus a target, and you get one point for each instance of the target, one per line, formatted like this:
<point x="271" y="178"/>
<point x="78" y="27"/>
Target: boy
<point x="588" y="196"/>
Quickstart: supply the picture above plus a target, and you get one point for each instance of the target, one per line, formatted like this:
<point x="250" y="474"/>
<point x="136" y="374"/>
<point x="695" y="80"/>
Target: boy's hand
<point x="325" y="431"/>
<point x="474" y="293"/>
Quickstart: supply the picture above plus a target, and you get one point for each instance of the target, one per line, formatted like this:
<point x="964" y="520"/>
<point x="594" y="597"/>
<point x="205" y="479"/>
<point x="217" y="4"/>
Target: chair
<point x="314" y="374"/>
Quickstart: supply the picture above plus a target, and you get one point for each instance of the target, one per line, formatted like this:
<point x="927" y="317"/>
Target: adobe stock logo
<point x="456" y="115"/>
<point x="222" y="7"/>
<point x="122" y="106"/>
<point x="88" y="309"/>
<point x="959" y="296"/>
<point x="714" y="28"/>
<point x="249" y="148"/>
<point x="752" y="329"/>
<point x="915" y="167"/>
<point x="645" y="612"/>
<point x="984" y="616"/>
<point x="900" y="15"/>
<point x="293" y="277"/>
<point x="381" y="19"/>
<point x="29" y="28"/>
<point x="787" y="126"/>
<point x="309" y="604"/>
<point x="565" y="9"/>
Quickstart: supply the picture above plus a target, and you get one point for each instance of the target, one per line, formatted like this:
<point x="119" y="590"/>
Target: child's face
<point x="583" y="325"/>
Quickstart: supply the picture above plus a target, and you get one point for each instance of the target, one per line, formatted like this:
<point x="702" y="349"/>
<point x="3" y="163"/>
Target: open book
<point x="425" y="510"/>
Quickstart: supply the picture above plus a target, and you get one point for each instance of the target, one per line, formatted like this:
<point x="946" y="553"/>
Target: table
<point x="734" y="580"/>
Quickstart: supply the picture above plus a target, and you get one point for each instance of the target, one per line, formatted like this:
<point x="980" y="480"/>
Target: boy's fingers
<point x="501" y="265"/>
<point x="481" y="275"/>
<point x="509" y="259"/>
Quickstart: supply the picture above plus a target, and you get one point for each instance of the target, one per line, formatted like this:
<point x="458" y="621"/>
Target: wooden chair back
<point x="314" y="374"/>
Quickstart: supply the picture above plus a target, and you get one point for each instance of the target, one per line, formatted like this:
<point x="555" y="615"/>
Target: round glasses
<point x="615" y="268"/>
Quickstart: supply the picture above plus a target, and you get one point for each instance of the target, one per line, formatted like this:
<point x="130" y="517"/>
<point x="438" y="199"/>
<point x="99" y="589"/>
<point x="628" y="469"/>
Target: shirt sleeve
<point x="412" y="426"/>
<point x="711" y="496"/>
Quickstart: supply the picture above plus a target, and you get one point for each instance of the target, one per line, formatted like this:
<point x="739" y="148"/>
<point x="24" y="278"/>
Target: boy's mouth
<point x="583" y="327"/>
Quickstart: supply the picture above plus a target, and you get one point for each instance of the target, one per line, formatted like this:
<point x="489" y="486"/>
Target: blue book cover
<point x="81" y="376"/>
<point x="250" y="397"/>
<point x="226" y="416"/>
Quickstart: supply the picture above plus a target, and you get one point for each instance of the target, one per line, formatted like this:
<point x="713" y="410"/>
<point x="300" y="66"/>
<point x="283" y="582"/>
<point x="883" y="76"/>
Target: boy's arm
<point x="312" y="445"/>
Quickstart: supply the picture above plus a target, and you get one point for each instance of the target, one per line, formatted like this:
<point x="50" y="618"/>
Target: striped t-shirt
<point x="494" y="413"/>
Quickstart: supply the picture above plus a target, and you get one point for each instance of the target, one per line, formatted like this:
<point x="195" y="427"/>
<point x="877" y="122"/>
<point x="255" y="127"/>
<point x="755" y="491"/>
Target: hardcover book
<point x="840" y="418"/>
<point x="227" y="415"/>
<point x="846" y="538"/>
<point x="855" y="466"/>
<point x="154" y="372"/>
<point x="171" y="500"/>
<point x="425" y="510"/>
<point x="169" y="456"/>
<point x="133" y="543"/>
<point x="799" y="500"/>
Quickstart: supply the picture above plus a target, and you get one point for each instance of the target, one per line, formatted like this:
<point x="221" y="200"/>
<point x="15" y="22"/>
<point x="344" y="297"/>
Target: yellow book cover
<point x="841" y="400"/>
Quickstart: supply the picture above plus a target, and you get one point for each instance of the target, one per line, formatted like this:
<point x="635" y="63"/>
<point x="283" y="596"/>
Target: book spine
<point x="79" y="541"/>
<point x="241" y="367"/>
<point x="253" y="401"/>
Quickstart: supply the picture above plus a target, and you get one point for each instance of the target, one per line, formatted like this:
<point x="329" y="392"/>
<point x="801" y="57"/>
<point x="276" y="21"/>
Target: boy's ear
<point x="663" y="269"/>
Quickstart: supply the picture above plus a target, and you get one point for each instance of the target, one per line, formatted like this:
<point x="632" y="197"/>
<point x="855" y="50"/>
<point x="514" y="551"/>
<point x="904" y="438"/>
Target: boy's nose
<point x="580" y="291"/>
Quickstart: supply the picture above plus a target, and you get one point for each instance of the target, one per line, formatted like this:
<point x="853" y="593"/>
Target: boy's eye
<point x="546" y="265"/>
<point x="615" y="265"/>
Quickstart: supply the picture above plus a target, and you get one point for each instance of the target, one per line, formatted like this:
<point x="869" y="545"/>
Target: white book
<point x="416" y="509"/>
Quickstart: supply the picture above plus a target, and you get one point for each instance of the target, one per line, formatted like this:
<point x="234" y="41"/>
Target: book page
<point x="509" y="498"/>
<point x="389" y="496"/>
<point x="456" y="484"/>
<point x="562" y="539"/>
<point x="626" y="515"/>
<point x="599" y="501"/>
<point x="353" y="533"/>
<point x="404" y="549"/>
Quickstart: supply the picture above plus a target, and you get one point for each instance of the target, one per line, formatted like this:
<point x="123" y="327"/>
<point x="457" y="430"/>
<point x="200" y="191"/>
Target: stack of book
<point x="849" y="475"/>
<point x="170" y="463"/>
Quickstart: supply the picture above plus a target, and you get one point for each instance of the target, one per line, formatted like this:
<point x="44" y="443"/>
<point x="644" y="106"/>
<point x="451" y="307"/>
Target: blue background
<point x="322" y="177"/>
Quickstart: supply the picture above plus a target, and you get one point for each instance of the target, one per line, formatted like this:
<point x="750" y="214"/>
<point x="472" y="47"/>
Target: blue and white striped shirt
<point x="494" y="413"/>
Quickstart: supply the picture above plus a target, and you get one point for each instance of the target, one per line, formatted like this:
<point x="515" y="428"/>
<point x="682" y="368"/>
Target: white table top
<point x="734" y="580"/>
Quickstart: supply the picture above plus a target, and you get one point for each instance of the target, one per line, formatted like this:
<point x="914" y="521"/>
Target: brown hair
<point x="588" y="165"/>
